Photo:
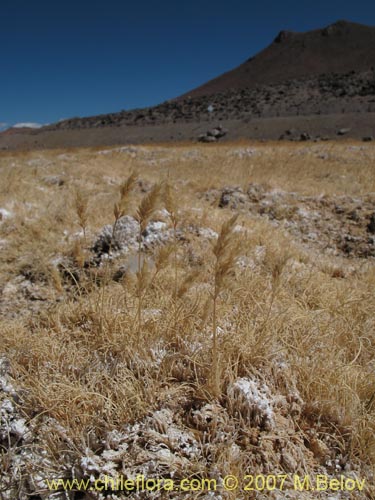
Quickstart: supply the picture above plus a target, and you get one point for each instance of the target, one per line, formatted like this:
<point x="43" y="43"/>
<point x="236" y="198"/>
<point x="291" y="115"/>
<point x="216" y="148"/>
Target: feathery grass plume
<point x="162" y="257"/>
<point x="146" y="277"/>
<point x="56" y="279"/>
<point x="81" y="207"/>
<point x="274" y="262"/>
<point x="170" y="204"/>
<point x="120" y="208"/>
<point x="225" y="251"/>
<point x="148" y="206"/>
<point x="144" y="213"/>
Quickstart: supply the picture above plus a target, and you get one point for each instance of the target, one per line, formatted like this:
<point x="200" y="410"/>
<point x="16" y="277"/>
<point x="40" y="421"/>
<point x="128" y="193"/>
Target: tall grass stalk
<point x="120" y="209"/>
<point x="225" y="252"/>
<point x="171" y="206"/>
<point x="144" y="213"/>
<point x="81" y="207"/>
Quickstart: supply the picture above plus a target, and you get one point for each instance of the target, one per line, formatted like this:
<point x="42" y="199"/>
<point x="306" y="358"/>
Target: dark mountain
<point x="339" y="48"/>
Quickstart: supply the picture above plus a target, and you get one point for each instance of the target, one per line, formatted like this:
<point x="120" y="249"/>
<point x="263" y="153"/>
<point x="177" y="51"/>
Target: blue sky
<point x="79" y="58"/>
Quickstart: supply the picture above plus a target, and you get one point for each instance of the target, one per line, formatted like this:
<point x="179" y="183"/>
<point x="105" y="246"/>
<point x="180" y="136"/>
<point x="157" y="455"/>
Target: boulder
<point x="232" y="197"/>
<point x="123" y="238"/>
<point x="304" y="136"/>
<point x="343" y="131"/>
<point x="54" y="180"/>
<point x="216" y="132"/>
<point x="255" y="193"/>
<point x="213" y="134"/>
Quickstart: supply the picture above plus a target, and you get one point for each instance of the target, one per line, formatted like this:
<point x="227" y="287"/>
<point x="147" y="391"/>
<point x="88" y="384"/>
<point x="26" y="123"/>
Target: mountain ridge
<point x="338" y="48"/>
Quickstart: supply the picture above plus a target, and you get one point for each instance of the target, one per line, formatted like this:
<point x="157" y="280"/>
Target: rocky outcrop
<point x="123" y="237"/>
<point x="213" y="135"/>
<point x="341" y="225"/>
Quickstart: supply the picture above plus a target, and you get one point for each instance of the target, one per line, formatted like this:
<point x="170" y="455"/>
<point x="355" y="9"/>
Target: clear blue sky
<point x="77" y="58"/>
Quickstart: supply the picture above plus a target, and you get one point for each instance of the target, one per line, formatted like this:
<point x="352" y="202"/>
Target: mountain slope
<point x="339" y="48"/>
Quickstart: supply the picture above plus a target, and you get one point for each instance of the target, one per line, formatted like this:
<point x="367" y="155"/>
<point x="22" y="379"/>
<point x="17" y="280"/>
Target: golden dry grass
<point x="96" y="354"/>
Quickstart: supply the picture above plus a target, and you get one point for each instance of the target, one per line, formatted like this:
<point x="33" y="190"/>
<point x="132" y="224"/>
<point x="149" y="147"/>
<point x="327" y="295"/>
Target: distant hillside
<point x="339" y="48"/>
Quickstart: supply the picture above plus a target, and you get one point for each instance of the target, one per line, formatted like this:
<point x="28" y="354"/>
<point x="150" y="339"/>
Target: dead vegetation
<point x="196" y="342"/>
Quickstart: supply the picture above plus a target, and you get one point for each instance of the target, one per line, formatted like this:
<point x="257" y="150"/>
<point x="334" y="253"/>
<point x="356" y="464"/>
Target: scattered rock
<point x="54" y="180"/>
<point x="343" y="131"/>
<point x="123" y="238"/>
<point x="213" y="135"/>
<point x="4" y="214"/>
<point x="232" y="197"/>
<point x="217" y="132"/>
<point x="336" y="224"/>
<point x="243" y="152"/>
<point x="144" y="186"/>
<point x="155" y="232"/>
<point x="304" y="136"/>
<point x="255" y="192"/>
<point x="13" y="426"/>
<point x="207" y="233"/>
<point x="294" y="135"/>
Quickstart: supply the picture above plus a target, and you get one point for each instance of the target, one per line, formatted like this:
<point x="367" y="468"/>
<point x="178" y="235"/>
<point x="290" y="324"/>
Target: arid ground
<point x="188" y="311"/>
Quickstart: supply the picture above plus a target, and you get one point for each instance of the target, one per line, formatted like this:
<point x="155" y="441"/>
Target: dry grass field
<point x="188" y="312"/>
